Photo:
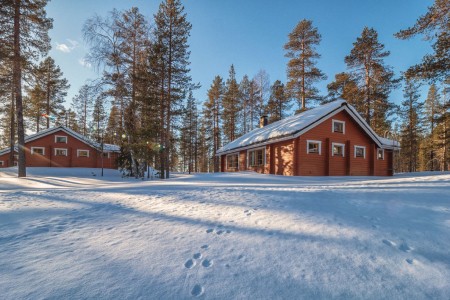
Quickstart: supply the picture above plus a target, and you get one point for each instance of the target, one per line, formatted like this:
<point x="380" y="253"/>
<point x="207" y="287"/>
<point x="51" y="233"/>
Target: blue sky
<point x="250" y="35"/>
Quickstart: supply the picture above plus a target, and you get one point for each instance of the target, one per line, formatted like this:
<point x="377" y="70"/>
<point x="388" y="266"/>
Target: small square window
<point x="338" y="126"/>
<point x="256" y="158"/>
<point x="16" y="163"/>
<point x="314" y="147"/>
<point x="60" y="139"/>
<point x="232" y="161"/>
<point x="2" y="163"/>
<point x="380" y="154"/>
<point x="338" y="149"/>
<point x="60" y="152"/>
<point x="360" y="151"/>
<point x="38" y="150"/>
<point x="83" y="153"/>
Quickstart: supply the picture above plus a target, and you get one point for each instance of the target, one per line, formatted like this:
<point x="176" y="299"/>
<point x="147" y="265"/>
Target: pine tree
<point x="374" y="78"/>
<point x="411" y="112"/>
<point x="431" y="116"/>
<point x="171" y="35"/>
<point x="302" y="71"/>
<point x="82" y="105"/>
<point x="99" y="116"/>
<point x="248" y="91"/>
<point x="278" y="103"/>
<point x="27" y="28"/>
<point x="48" y="91"/>
<point x="189" y="137"/>
<point x="435" y="26"/>
<point x="212" y="112"/>
<point x="112" y="132"/>
<point x="345" y="87"/>
<point x="231" y="108"/>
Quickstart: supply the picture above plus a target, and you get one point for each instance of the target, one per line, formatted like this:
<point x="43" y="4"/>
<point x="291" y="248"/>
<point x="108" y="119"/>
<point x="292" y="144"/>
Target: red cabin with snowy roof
<point x="63" y="147"/>
<point x="332" y="139"/>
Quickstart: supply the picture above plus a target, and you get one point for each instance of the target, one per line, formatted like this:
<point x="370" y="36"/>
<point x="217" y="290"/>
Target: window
<point x="106" y="154"/>
<point x="60" y="139"/>
<point x="380" y="154"/>
<point x="256" y="158"/>
<point x="16" y="163"/>
<point x="338" y="126"/>
<point x="314" y="147"/>
<point x="233" y="161"/>
<point x="83" y="153"/>
<point x="60" y="152"/>
<point x="38" y="150"/>
<point x="2" y="163"/>
<point x="338" y="149"/>
<point x="360" y="151"/>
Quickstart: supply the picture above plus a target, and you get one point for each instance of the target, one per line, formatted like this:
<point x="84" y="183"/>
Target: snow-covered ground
<point x="65" y="234"/>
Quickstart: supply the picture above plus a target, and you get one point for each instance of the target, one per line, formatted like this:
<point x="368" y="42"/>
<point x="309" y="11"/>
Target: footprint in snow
<point x="197" y="290"/>
<point x="410" y="261"/>
<point x="197" y="256"/>
<point x="207" y="263"/>
<point x="389" y="243"/>
<point x="204" y="247"/>
<point x="404" y="247"/>
<point x="209" y="230"/>
<point x="189" y="264"/>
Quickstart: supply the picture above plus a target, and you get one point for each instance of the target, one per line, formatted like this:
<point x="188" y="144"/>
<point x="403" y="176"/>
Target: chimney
<point x="262" y="121"/>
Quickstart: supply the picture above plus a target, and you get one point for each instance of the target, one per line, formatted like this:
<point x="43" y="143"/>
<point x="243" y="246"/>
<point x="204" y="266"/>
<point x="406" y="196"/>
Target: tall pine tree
<point x="302" y="71"/>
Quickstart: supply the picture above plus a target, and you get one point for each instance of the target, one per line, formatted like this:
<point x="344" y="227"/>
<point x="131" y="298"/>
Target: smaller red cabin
<point x="63" y="147"/>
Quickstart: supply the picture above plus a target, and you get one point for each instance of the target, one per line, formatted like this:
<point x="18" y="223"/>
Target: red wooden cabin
<point x="63" y="147"/>
<point x="332" y="139"/>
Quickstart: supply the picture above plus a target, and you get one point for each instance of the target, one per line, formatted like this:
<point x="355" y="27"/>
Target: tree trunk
<point x="12" y="132"/>
<point x="17" y="75"/>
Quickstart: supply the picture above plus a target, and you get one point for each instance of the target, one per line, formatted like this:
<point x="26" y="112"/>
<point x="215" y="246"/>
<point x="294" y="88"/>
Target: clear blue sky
<point x="250" y="34"/>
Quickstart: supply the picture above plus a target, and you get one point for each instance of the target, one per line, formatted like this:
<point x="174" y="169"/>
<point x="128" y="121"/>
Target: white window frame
<point x="2" y="163"/>
<point x="362" y="147"/>
<point x="382" y="154"/>
<point x="63" y="136"/>
<point x="65" y="149"/>
<point x="43" y="150"/>
<point x="338" y="121"/>
<point x="108" y="154"/>
<point x="79" y="150"/>
<point x="232" y="154"/>
<point x="337" y="144"/>
<point x="315" y="142"/>
<point x="253" y="150"/>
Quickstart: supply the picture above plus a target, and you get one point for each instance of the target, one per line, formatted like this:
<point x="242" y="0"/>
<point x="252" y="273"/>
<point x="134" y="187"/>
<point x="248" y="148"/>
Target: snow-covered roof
<point x="294" y="126"/>
<point x="82" y="138"/>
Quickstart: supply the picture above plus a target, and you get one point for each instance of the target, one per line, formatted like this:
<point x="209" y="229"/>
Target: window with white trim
<point x="60" y="152"/>
<point x="106" y="154"/>
<point x="338" y="149"/>
<point x="82" y="153"/>
<point x="256" y="157"/>
<point x="233" y="161"/>
<point x="60" y="139"/>
<point x="360" y="151"/>
<point x="314" y="147"/>
<point x="2" y="163"/>
<point x="380" y="154"/>
<point x="38" y="150"/>
<point x="338" y="126"/>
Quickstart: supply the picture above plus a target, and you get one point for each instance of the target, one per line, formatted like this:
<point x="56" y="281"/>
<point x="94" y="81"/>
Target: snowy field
<point x="65" y="234"/>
